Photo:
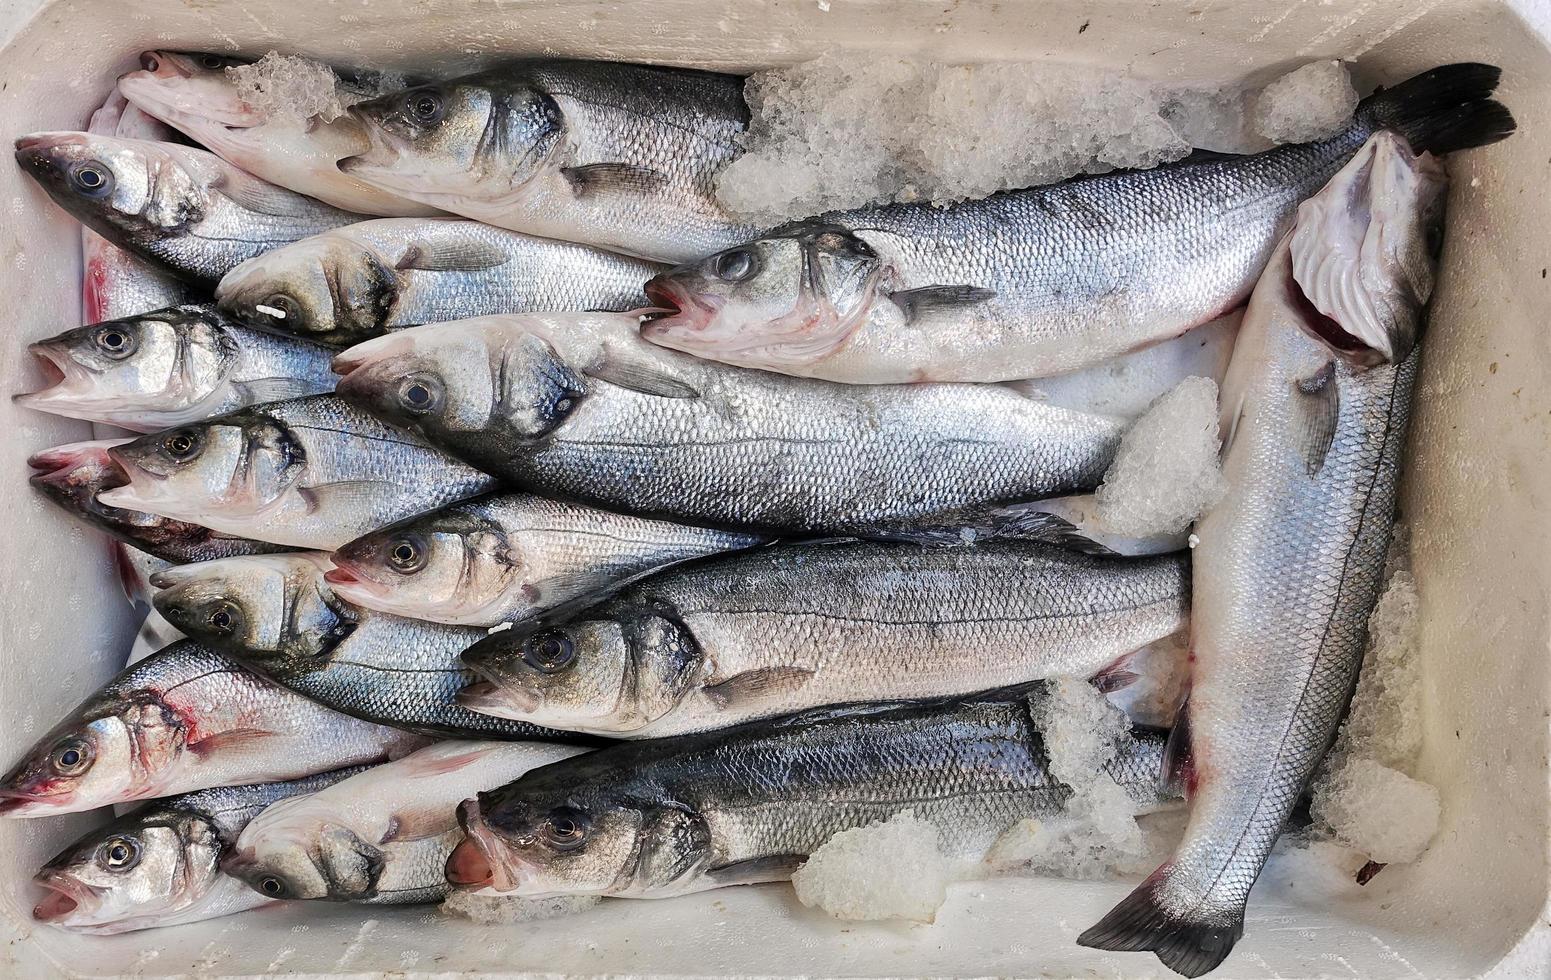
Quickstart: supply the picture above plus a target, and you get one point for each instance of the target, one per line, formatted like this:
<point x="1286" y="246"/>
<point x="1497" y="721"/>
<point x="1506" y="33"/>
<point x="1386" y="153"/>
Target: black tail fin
<point x="1448" y="108"/>
<point x="1188" y="946"/>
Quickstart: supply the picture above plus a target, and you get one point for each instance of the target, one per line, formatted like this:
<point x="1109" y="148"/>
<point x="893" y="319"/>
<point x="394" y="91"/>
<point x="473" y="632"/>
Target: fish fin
<point x="771" y="867"/>
<point x="260" y="196"/>
<point x="344" y="490"/>
<point x="639" y="374"/>
<point x="915" y="302"/>
<point x="598" y="177"/>
<point x="224" y="741"/>
<point x="1178" y="769"/>
<point x="466" y="256"/>
<point x="752" y="685"/>
<point x="1206" y="156"/>
<point x="429" y="821"/>
<point x="1141" y="922"/>
<point x="1319" y="408"/>
<point x="1116" y="675"/>
<point x="1439" y="111"/>
<point x="137" y="589"/>
<point x="1018" y="522"/>
<point x="259" y="391"/>
<point x="427" y="764"/>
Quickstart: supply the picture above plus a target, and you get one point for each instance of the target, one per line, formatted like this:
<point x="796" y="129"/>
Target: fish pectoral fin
<point x="1178" y="767"/>
<point x="451" y="257"/>
<point x="638" y="373"/>
<point x="341" y="494"/>
<point x="915" y="302"/>
<point x="428" y="764"/>
<point x="261" y="197"/>
<point x="408" y="825"/>
<point x="258" y="391"/>
<point x="1117" y="675"/>
<point x="771" y="867"/>
<point x="236" y="738"/>
<point x="596" y="178"/>
<point x="755" y="685"/>
<point x="1318" y="410"/>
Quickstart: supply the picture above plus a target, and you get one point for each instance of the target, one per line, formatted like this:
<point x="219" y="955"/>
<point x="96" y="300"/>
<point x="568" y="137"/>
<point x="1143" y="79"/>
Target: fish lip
<point x="63" y="888"/>
<point x="487" y="693"/>
<point x="686" y="314"/>
<point x="178" y="65"/>
<point x="53" y="363"/>
<point x="480" y="838"/>
<point x="340" y="574"/>
<point x="667" y="302"/>
<point x="19" y="803"/>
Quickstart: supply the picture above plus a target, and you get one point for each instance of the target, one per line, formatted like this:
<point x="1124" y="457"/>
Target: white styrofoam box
<point x="1477" y="493"/>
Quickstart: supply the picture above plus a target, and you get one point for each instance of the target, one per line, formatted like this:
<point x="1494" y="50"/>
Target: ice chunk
<point x="1378" y="811"/>
<point x="1312" y="103"/>
<point x="488" y="909"/>
<point x="1385" y="721"/>
<point x="1166" y="472"/>
<point x="290" y="87"/>
<point x="891" y="870"/>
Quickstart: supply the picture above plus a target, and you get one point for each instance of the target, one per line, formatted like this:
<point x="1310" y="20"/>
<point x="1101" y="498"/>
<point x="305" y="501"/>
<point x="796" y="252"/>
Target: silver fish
<point x="620" y="156"/>
<point x="1290" y="564"/>
<point x="506" y="558"/>
<point x="579" y="407"/>
<point x="665" y="817"/>
<point x="792" y="627"/>
<point x="381" y="837"/>
<point x="1079" y="272"/>
<point x="276" y="614"/>
<point x="183" y="208"/>
<point x="353" y="283"/>
<point x="159" y="865"/>
<point x="311" y="473"/>
<point x="168" y="367"/>
<point x="183" y="719"/>
<point x="196" y="93"/>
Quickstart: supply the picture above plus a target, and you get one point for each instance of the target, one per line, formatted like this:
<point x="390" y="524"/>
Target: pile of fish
<point x="511" y="516"/>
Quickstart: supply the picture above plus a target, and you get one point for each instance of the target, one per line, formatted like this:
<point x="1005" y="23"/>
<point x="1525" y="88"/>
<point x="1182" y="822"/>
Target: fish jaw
<point x="64" y="383"/>
<point x="143" y="491"/>
<point x="478" y="860"/>
<point x="67" y="898"/>
<point x="170" y="88"/>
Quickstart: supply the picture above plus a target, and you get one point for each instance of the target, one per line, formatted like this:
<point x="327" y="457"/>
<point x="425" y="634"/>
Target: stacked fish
<point x="495" y="554"/>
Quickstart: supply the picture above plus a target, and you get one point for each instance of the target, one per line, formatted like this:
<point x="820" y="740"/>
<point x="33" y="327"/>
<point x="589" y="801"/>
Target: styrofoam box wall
<point x="1477" y="492"/>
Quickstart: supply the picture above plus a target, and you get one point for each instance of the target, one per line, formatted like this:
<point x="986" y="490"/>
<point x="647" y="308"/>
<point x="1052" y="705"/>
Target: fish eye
<point x="223" y="619"/>
<point x="736" y="265"/>
<point x="92" y="179"/>
<point x="424" y="106"/>
<point x="406" y="554"/>
<point x="565" y="830"/>
<point x="119" y="853"/>
<point x="115" y="341"/>
<point x="71" y="757"/>
<point x="212" y="61"/>
<point x="182" y="445"/>
<point x="549" y="652"/>
<point x="280" y="306"/>
<point x="420" y="393"/>
<point x="272" y="886"/>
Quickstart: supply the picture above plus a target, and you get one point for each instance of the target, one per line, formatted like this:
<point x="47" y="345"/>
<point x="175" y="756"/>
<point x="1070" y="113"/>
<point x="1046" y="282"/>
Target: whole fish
<point x="187" y="210"/>
<point x="1290" y="564"/>
<point x="160" y="864"/>
<point x="506" y="558"/>
<point x="579" y="407"/>
<point x="73" y="476"/>
<point x="276" y="614"/>
<point x="196" y="93"/>
<point x="168" y="367"/>
<point x="620" y="156"/>
<point x="311" y="472"/>
<point x="1035" y="282"/>
<point x="783" y="629"/>
<point x="354" y="283"/>
<point x="665" y="817"/>
<point x="182" y="719"/>
<point x="381" y="837"/>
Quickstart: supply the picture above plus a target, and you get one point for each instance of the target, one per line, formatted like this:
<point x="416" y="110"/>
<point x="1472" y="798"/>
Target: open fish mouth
<point x="56" y="467"/>
<point x="141" y="489"/>
<point x="168" y="87"/>
<point x="490" y="698"/>
<point x="476" y="862"/>
<point x="673" y="312"/>
<point x="61" y="379"/>
<point x="18" y="803"/>
<point x="66" y="896"/>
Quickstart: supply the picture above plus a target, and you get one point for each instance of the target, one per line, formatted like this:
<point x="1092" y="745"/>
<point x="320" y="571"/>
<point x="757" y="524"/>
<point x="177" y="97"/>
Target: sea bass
<point x="167" y="367"/>
<point x="311" y="472"/>
<point x="381" y="837"/>
<point x="665" y="817"/>
<point x="1035" y="282"/>
<point x="791" y="627"/>
<point x="182" y="719"/>
<point x="195" y="92"/>
<point x="579" y="407"/>
<point x="506" y="558"/>
<point x="276" y="614"/>
<point x="187" y="210"/>
<point x="354" y="283"/>
<point x="160" y="864"/>
<point x="1289" y="565"/>
<point x="620" y="156"/>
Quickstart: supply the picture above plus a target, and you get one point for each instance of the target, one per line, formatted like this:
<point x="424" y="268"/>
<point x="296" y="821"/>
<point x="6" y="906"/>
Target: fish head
<point x="127" y="190"/>
<point x="192" y="91"/>
<point x="137" y="872"/>
<point x="108" y="752"/>
<point x="1364" y="251"/>
<point x="328" y="288"/>
<point x="298" y="849"/>
<point x="258" y="605"/>
<point x="784" y="300"/>
<point x="118" y="370"/>
<point x="74" y="474"/>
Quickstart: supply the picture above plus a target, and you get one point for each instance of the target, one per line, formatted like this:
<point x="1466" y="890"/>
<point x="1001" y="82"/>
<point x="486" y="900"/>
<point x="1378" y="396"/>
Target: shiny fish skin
<point x="588" y="411"/>
<point x="167" y="367"/>
<point x="159" y="865"/>
<point x="666" y="817"/>
<point x="793" y="627"/>
<point x="381" y="837"/>
<point x="506" y="558"/>
<point x="1290" y="564"/>
<point x="356" y="282"/>
<point x="185" y="209"/>
<point x="1034" y="282"/>
<point x="310" y="472"/>
<point x="620" y="156"/>
<point x="182" y="719"/>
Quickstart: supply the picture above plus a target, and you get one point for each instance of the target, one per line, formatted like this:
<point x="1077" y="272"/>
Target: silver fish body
<point x="793" y="627"/>
<point x="356" y="282"/>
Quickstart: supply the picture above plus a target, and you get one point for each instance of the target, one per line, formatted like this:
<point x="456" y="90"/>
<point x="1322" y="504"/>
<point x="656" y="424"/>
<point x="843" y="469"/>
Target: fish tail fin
<point x="1448" y="108"/>
<point x="1190" y="945"/>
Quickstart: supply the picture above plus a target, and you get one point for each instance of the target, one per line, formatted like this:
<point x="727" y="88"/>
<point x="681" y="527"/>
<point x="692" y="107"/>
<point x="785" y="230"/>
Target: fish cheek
<point x="675" y="849"/>
<point x="350" y="867"/>
<point x="536" y="391"/>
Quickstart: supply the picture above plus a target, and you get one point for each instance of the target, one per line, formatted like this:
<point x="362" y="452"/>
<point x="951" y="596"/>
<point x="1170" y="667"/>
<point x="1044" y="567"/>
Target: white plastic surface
<point x="1477" y="495"/>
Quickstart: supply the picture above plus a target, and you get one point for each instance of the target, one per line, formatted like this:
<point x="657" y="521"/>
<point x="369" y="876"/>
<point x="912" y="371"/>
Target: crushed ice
<point x="1166" y="472"/>
<point x="890" y="870"/>
<point x="1312" y="103"/>
<point x="489" y="909"/>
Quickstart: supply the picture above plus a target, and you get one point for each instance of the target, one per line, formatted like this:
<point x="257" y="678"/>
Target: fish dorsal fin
<point x="598" y="178"/>
<point x="753" y="686"/>
<point x="1317" y="409"/>
<point x="917" y="302"/>
<point x="455" y="256"/>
